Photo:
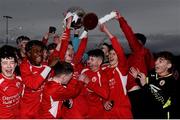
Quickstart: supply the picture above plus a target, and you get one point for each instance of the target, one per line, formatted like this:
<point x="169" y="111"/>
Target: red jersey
<point x="93" y="93"/>
<point x="53" y="96"/>
<point x="140" y="58"/>
<point x="34" y="84"/>
<point x="117" y="78"/>
<point x="64" y="45"/>
<point x="74" y="112"/>
<point x="10" y="93"/>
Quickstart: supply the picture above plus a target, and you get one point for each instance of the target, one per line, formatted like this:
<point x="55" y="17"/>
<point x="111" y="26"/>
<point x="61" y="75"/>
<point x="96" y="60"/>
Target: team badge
<point x="18" y="84"/>
<point x="94" y="79"/>
<point x="162" y="82"/>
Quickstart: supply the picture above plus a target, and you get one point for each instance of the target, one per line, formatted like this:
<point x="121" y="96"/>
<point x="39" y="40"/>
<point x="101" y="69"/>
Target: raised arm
<point x="134" y="44"/>
<point x="122" y="62"/>
<point x="65" y="38"/>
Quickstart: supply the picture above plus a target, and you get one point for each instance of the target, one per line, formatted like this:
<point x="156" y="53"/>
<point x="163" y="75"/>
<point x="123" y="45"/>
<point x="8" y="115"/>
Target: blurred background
<point x="159" y="20"/>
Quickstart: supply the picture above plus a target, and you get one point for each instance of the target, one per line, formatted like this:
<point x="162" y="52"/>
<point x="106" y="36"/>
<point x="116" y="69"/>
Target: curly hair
<point x="32" y="43"/>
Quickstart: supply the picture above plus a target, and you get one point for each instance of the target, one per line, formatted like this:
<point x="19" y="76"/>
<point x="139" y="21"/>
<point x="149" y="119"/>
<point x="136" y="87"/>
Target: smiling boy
<point x="159" y="87"/>
<point x="10" y="84"/>
<point x="33" y="74"/>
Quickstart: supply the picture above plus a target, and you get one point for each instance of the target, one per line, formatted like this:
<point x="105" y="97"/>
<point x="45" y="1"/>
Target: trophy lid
<point x="90" y="21"/>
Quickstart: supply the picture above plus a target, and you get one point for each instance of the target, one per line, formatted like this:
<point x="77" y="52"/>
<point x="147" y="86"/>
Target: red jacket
<point x="34" y="84"/>
<point x="74" y="112"/>
<point x="117" y="78"/>
<point x="10" y="93"/>
<point x="93" y="93"/>
<point x="140" y="57"/>
<point x="53" y="96"/>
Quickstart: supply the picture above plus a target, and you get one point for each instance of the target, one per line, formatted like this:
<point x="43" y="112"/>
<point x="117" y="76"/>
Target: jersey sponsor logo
<point x="10" y="100"/>
<point x="155" y="91"/>
<point x="154" y="88"/>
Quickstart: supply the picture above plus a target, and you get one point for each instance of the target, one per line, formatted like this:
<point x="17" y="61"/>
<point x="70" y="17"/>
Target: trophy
<point x="77" y="13"/>
<point x="81" y="19"/>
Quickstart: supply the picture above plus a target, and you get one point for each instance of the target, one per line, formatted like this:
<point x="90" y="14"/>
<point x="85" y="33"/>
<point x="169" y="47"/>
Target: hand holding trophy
<point x="81" y="19"/>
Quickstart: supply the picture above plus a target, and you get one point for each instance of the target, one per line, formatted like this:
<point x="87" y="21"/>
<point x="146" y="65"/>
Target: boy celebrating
<point x="118" y="105"/>
<point x="10" y="84"/>
<point x="96" y="85"/>
<point x="56" y="91"/>
<point x="33" y="75"/>
<point x="159" y="87"/>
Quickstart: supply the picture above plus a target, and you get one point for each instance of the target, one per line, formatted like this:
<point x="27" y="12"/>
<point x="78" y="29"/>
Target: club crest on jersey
<point x="112" y="83"/>
<point x="162" y="82"/>
<point x="94" y="79"/>
<point x="18" y="84"/>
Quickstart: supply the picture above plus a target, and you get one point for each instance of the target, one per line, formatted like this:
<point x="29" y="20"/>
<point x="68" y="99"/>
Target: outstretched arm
<point x="65" y="37"/>
<point x="122" y="62"/>
<point x="134" y="44"/>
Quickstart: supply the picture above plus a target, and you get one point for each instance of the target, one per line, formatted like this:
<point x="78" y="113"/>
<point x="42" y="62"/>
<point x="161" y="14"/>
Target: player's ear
<point x="100" y="61"/>
<point x="15" y="65"/>
<point x="169" y="65"/>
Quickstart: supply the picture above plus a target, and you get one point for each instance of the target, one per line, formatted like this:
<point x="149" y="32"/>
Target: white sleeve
<point x="45" y="72"/>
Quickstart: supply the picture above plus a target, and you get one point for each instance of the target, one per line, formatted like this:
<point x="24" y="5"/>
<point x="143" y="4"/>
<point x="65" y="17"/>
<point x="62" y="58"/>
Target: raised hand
<point x="104" y="29"/>
<point x="134" y="72"/>
<point x="138" y="75"/>
<point x="69" y="20"/>
<point x="118" y="15"/>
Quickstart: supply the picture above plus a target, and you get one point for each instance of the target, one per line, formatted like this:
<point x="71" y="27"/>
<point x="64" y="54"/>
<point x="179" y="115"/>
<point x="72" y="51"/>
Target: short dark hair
<point x="62" y="68"/>
<point x="111" y="47"/>
<point x="141" y="37"/>
<point x="7" y="51"/>
<point x="22" y="38"/>
<point x="168" y="56"/>
<point x="96" y="53"/>
<point x="32" y="43"/>
<point x="106" y="44"/>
